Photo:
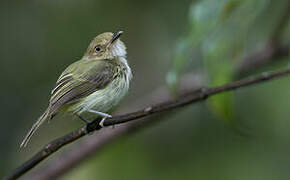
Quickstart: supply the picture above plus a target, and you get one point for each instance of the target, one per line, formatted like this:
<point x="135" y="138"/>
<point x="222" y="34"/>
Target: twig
<point x="70" y="158"/>
<point x="96" y="142"/>
<point x="271" y="52"/>
<point x="190" y="98"/>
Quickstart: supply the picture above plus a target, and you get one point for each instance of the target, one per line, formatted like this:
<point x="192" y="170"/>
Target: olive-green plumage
<point x="93" y="84"/>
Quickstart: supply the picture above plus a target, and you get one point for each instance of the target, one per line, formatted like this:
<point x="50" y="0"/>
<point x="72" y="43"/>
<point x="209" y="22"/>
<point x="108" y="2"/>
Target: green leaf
<point x="221" y="31"/>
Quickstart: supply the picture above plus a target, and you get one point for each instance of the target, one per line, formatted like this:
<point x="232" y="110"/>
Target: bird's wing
<point x="79" y="81"/>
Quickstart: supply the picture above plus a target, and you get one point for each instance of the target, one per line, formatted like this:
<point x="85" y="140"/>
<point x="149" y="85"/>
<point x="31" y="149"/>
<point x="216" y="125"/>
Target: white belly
<point x="104" y="99"/>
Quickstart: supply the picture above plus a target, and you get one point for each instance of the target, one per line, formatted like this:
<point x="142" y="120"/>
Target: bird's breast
<point x="104" y="99"/>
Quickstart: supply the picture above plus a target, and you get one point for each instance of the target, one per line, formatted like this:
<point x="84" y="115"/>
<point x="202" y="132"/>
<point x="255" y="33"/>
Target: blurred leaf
<point x="220" y="29"/>
<point x="226" y="27"/>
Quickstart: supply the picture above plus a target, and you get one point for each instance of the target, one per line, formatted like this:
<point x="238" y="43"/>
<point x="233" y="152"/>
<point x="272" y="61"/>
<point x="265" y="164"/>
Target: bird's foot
<point x="104" y="115"/>
<point x="103" y="120"/>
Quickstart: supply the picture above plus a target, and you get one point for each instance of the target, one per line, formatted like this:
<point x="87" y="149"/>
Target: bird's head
<point x="106" y="46"/>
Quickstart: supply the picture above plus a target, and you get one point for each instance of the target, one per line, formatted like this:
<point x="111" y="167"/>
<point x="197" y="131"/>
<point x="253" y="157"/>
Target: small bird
<point x="92" y="85"/>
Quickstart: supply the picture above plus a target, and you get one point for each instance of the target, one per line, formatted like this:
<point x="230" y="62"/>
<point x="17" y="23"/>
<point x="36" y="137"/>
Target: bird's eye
<point x="97" y="48"/>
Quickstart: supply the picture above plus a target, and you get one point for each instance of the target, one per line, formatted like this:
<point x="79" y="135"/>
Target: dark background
<point x="165" y="39"/>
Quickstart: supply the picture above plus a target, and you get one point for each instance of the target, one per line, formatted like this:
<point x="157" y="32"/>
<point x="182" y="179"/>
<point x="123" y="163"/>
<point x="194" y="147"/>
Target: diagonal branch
<point x="274" y="50"/>
<point x="189" y="98"/>
<point x="96" y="142"/>
<point x="189" y="82"/>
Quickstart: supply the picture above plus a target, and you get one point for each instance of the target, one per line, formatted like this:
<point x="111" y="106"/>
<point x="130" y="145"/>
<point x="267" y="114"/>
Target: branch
<point x="271" y="52"/>
<point x="97" y="141"/>
<point x="189" y="98"/>
<point x="265" y="56"/>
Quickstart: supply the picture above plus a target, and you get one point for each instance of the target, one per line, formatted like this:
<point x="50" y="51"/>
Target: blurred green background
<point x="165" y="40"/>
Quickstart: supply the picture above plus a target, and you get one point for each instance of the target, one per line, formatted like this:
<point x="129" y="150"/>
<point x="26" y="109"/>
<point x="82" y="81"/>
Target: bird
<point x="92" y="85"/>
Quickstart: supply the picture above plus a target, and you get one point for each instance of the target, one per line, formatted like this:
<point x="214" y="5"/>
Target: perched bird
<point x="92" y="85"/>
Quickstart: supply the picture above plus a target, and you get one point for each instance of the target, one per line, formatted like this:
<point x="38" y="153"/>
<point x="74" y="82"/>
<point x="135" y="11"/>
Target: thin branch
<point x="96" y="142"/>
<point x="191" y="97"/>
<point x="271" y="52"/>
<point x="70" y="158"/>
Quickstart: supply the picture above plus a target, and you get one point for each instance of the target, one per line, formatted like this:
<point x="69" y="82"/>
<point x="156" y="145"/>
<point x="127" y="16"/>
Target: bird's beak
<point x="115" y="36"/>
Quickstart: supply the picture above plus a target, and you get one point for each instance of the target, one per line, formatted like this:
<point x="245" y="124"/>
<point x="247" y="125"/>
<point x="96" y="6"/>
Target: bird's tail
<point x="34" y="127"/>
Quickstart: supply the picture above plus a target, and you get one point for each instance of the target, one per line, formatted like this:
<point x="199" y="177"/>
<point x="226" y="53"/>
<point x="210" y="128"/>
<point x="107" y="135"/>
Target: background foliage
<point x="165" y="39"/>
